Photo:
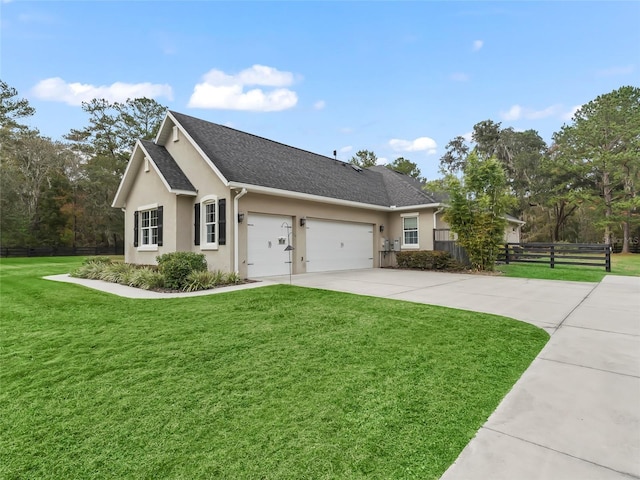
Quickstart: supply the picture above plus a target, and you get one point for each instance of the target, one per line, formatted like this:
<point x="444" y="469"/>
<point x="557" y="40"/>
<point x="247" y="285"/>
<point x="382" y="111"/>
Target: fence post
<point x="607" y="258"/>
<point x="506" y="253"/>
<point x="553" y="257"/>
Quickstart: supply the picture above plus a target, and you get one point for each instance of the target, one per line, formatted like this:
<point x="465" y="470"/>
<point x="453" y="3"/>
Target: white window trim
<point x="209" y="199"/>
<point x="409" y="246"/>
<point x="152" y="247"/>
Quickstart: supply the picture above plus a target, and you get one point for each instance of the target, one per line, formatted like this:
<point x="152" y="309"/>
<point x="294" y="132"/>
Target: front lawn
<point x="275" y="382"/>
<point x="627" y="264"/>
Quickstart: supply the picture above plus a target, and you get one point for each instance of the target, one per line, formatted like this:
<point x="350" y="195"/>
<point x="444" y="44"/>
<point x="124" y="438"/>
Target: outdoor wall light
<point x="303" y="221"/>
<point x="240" y="217"/>
<point x="381" y="228"/>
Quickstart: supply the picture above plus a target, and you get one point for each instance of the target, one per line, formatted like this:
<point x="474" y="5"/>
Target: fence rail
<point x="552" y="254"/>
<point x="61" y="251"/>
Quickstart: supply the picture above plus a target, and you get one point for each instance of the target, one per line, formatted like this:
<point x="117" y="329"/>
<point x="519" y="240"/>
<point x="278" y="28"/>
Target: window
<point x="410" y="231"/>
<point x="210" y="216"/>
<point x="210" y="222"/>
<point x="147" y="227"/>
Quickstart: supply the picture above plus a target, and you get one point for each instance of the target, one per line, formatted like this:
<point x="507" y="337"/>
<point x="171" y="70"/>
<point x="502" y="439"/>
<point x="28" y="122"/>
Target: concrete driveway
<point x="575" y="412"/>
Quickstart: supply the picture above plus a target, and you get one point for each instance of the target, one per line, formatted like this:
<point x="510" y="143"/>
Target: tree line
<point x="59" y="193"/>
<point x="581" y="188"/>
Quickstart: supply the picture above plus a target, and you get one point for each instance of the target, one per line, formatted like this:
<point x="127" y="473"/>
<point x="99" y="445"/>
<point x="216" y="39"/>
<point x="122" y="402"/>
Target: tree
<point x="407" y="167"/>
<point x="33" y="170"/>
<point x="477" y="206"/>
<point x="106" y="145"/>
<point x="455" y="156"/>
<point x="604" y="141"/>
<point x="12" y="108"/>
<point x="364" y="159"/>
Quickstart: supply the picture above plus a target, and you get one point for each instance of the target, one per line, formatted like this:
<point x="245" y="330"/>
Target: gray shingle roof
<point x="246" y="158"/>
<point x="168" y="167"/>
<point x="402" y="189"/>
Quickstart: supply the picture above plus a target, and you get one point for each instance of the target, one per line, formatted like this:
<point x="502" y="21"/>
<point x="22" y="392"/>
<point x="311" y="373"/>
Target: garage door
<point x="338" y="245"/>
<point x="267" y="237"/>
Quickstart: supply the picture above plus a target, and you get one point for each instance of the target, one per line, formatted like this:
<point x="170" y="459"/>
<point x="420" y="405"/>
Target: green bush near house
<point x="428" y="260"/>
<point x="176" y="267"/>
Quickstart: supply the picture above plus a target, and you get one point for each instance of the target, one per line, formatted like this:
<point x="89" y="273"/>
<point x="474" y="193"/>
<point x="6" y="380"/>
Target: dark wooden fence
<point x="117" y="249"/>
<point x="552" y="254"/>
<point x="445" y="240"/>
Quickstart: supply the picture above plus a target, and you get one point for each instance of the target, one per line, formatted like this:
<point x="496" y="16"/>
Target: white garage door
<point x="267" y="239"/>
<point x="338" y="245"/>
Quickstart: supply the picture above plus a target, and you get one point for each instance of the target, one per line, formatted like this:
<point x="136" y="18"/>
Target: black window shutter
<point x="135" y="229"/>
<point x="222" y="221"/>
<point x="196" y="224"/>
<point x="160" y="226"/>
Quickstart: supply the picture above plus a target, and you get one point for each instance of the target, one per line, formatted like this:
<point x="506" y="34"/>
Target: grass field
<point x="273" y="383"/>
<point x="628" y="264"/>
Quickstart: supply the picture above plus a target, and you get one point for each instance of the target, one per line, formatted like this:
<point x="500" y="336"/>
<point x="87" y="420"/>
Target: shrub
<point x="427" y="260"/>
<point x="200" y="281"/>
<point x="232" y="278"/>
<point x="97" y="259"/>
<point x="117" y="273"/>
<point x="176" y="267"/>
<point x="91" y="270"/>
<point x="146" y="278"/>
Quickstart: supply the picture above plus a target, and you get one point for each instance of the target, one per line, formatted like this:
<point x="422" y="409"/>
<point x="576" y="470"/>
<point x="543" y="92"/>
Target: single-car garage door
<point x="267" y="238"/>
<point x="338" y="245"/>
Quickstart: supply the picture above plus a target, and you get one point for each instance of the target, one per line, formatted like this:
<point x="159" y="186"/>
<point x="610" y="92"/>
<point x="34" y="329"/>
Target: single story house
<point x="262" y="208"/>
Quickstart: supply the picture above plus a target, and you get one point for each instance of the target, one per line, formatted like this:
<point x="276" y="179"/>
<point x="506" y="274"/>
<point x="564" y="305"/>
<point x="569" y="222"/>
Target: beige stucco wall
<point x="206" y="182"/>
<point x="425" y="228"/>
<point x="148" y="189"/>
<point x="268" y="204"/>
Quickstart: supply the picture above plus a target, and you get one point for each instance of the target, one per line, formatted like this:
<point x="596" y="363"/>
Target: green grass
<point x="628" y="264"/>
<point x="278" y="382"/>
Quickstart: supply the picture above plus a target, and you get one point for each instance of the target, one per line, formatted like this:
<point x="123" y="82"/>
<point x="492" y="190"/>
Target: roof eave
<point x="126" y="182"/>
<point x="330" y="200"/>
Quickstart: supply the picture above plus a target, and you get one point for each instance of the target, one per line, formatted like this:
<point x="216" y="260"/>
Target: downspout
<point x="435" y="223"/>
<point x="236" y="241"/>
<point x="435" y="226"/>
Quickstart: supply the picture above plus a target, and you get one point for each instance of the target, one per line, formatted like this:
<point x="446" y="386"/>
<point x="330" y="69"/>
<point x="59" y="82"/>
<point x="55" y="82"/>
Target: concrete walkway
<point x="575" y="412"/>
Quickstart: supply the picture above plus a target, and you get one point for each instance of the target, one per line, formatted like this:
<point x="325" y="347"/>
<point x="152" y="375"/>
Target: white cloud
<point x="615" y="71"/>
<point x="517" y="112"/>
<point x="223" y="91"/>
<point x="468" y="137"/>
<point x="514" y="113"/>
<point x="477" y="45"/>
<point x="418" y="145"/>
<point x="459" y="77"/>
<point x="382" y="161"/>
<point x="319" y="105"/>
<point x="57" y="90"/>
<point x="346" y="149"/>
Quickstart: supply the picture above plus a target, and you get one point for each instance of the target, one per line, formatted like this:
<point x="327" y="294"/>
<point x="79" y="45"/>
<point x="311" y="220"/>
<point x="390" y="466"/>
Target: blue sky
<point x="398" y="78"/>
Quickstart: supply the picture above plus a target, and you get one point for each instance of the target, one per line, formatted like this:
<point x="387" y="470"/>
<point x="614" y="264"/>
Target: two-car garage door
<point x="330" y="245"/>
<point x="338" y="245"/>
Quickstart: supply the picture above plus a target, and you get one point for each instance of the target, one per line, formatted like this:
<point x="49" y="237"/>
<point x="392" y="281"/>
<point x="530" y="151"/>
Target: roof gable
<point x="163" y="163"/>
